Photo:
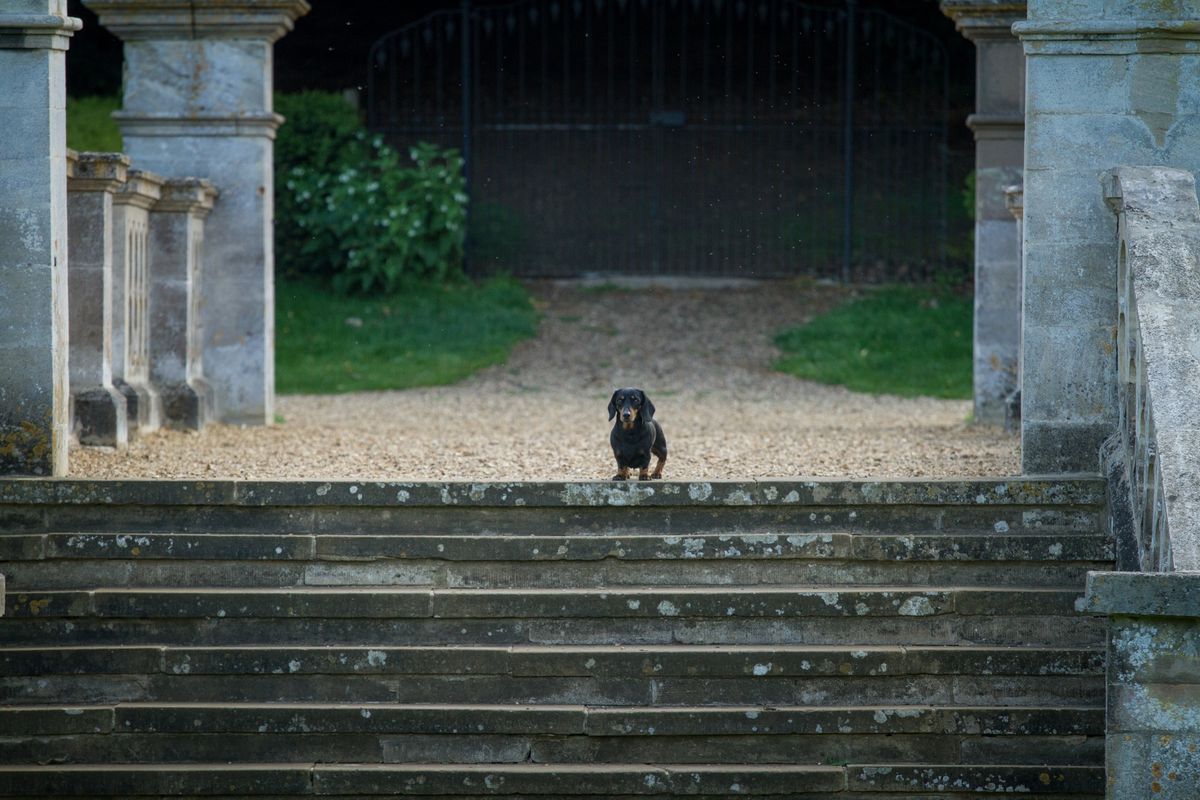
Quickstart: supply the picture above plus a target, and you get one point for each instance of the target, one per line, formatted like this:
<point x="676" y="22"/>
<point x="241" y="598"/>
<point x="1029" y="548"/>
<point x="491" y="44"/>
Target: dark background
<point x="328" y="48"/>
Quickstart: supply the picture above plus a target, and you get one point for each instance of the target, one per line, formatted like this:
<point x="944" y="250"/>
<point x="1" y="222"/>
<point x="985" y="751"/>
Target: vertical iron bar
<point x="465" y="33"/>
<point x="848" y="133"/>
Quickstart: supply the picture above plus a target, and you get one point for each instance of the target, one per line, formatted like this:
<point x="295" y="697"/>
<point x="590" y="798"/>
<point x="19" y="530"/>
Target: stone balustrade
<point x="1153" y="466"/>
<point x="1158" y="364"/>
<point x="135" y="277"/>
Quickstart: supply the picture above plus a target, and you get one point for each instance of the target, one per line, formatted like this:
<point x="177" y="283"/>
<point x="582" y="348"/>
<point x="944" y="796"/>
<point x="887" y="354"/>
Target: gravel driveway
<point x="702" y="354"/>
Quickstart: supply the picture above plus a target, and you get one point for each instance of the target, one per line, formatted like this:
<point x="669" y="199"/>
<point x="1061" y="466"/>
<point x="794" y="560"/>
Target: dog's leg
<point x="657" y="474"/>
<point x="622" y="474"/>
<point x="644" y="473"/>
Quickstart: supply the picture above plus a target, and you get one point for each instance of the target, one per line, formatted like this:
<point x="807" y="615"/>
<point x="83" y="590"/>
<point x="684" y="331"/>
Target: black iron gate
<point x="697" y="137"/>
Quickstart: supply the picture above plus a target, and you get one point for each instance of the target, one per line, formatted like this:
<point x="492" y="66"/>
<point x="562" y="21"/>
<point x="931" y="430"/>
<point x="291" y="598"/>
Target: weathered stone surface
<point x="376" y="718"/>
<point x="566" y="780"/>
<point x="1159" y="230"/>
<point x="1108" y="84"/>
<point x="176" y="241"/>
<point x="98" y="409"/>
<point x="1144" y="594"/>
<point x="178" y="120"/>
<point x="34" y="383"/>
<point x="31" y="720"/>
<point x="892" y="629"/>
<point x="131" y="299"/>
<point x="182" y="546"/>
<point x="140" y="780"/>
<point x="1030" y="491"/>
<point x="1024" y="780"/>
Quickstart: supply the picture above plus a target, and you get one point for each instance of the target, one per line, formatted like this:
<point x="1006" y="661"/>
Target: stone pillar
<point x="197" y="101"/>
<point x="34" y="35"/>
<point x="1014" y="199"/>
<point x="176" y="246"/>
<point x="131" y="299"/>
<point x="1152" y="742"/>
<point x="999" y="126"/>
<point x="1109" y="84"/>
<point x="98" y="409"/>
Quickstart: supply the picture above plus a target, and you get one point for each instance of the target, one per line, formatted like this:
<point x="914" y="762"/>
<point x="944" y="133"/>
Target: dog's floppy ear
<point x="612" y="406"/>
<point x="647" y="407"/>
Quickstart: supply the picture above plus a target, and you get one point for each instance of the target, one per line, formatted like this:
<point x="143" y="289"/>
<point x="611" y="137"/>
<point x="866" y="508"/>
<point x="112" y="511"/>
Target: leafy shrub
<point x="351" y="208"/>
<point x="383" y="225"/>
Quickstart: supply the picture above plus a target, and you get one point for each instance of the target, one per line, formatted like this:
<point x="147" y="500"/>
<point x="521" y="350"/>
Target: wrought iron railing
<point x="1157" y="444"/>
<point x="766" y="138"/>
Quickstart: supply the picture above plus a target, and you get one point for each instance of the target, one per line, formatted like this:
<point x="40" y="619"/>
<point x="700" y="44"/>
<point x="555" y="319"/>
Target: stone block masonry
<point x="1108" y="84"/>
<point x="34" y="36"/>
<point x="197" y="101"/>
<point x="1153" y="716"/>
<point x="98" y="409"/>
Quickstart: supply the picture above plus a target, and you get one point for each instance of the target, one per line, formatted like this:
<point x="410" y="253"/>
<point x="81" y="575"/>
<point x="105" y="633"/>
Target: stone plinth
<point x="999" y="126"/>
<point x="34" y="36"/>
<point x="131" y="299"/>
<point x="1109" y="84"/>
<point x="98" y="409"/>
<point x="197" y="101"/>
<point x="1153" y="735"/>
<point x="176" y="244"/>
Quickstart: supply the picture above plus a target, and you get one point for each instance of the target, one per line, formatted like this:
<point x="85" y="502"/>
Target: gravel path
<point x="703" y="356"/>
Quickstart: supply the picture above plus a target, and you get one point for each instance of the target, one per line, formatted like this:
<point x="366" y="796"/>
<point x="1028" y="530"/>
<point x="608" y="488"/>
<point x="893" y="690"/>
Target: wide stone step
<point x="389" y="733"/>
<point x="1032" y="630"/>
<point x="599" y="675"/>
<point x="1012" y="506"/>
<point x="627" y="721"/>
<point x="559" y="780"/>
<point x="618" y="602"/>
<point x="75" y="560"/>
<point x="982" y="546"/>
<point x="597" y="661"/>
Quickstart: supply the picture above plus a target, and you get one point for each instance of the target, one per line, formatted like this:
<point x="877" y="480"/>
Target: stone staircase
<point x="910" y="640"/>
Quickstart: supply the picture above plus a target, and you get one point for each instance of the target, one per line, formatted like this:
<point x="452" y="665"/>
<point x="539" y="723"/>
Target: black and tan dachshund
<point x="636" y="435"/>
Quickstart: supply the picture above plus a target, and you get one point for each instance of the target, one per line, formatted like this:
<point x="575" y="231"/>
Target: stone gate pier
<point x="197" y="101"/>
<point x="34" y="35"/>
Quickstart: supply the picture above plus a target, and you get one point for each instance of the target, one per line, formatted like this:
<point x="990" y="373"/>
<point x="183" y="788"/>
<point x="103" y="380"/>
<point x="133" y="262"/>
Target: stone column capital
<point x="984" y="19"/>
<point x="134" y="20"/>
<point x="96" y="172"/>
<point x="141" y="189"/>
<point x="193" y="196"/>
<point x="37" y="31"/>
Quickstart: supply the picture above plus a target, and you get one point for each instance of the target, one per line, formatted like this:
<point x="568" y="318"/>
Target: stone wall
<point x="1108" y="83"/>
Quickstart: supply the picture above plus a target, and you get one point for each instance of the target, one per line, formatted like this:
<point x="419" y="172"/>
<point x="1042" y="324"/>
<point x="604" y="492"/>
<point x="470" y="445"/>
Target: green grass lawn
<point x="897" y="340"/>
<point x="326" y="343"/>
<point x="90" y="125"/>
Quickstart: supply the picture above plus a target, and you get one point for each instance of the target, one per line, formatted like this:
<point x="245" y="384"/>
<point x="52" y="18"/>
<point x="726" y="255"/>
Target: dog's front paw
<point x="656" y="476"/>
<point x="620" y="477"/>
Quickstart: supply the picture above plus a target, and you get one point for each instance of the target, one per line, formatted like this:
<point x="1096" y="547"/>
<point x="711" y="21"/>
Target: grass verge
<point x="90" y="126"/>
<point x="899" y="340"/>
<point x="428" y="336"/>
